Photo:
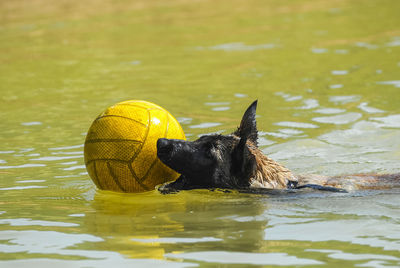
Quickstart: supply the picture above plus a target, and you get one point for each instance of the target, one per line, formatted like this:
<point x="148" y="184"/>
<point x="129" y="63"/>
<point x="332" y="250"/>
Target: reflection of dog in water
<point x="235" y="162"/>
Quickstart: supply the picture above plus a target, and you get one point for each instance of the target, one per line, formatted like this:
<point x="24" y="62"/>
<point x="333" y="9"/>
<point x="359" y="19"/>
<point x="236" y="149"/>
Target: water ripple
<point x="58" y="243"/>
<point x="30" y="222"/>
<point x="290" y="131"/>
<point x="219" y="109"/>
<point x="244" y="258"/>
<point x="69" y="163"/>
<point x="55" y="158"/>
<point x="184" y="120"/>
<point x="7" y="152"/>
<point x="319" y="50"/>
<point x="366" y="45"/>
<point x="338" y="119"/>
<point x="67" y="147"/>
<point x="51" y="242"/>
<point x="205" y="125"/>
<point x="289" y="97"/>
<point x="354" y="232"/>
<point x="75" y="167"/>
<point x="77" y="215"/>
<point x="341" y="51"/>
<point x="295" y="124"/>
<point x="344" y="99"/>
<point x="23" y="166"/>
<point x="330" y="111"/>
<point x="335" y="86"/>
<point x="339" y="72"/>
<point x="77" y="152"/>
<point x="394" y="43"/>
<point x="174" y="240"/>
<point x="216" y="103"/>
<point x="31" y="123"/>
<point x="371" y="110"/>
<point x="22" y="187"/>
<point x="238" y="46"/>
<point x="309" y="104"/>
<point x="388" y="121"/>
<point x="395" y="83"/>
<point x="338" y="254"/>
<point x="30" y="181"/>
<point x="240" y="95"/>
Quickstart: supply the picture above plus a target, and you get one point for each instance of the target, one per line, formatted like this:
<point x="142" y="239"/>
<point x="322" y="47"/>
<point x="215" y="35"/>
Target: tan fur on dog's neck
<point x="269" y="174"/>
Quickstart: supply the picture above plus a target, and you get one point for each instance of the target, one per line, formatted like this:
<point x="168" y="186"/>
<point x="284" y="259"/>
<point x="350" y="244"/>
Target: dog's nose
<point x="164" y="147"/>
<point x="162" y="142"/>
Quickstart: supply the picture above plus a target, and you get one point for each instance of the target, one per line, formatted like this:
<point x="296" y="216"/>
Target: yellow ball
<point x="121" y="147"/>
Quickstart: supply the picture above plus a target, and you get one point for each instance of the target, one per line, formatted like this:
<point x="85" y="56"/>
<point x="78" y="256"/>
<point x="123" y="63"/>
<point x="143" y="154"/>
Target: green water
<point x="327" y="77"/>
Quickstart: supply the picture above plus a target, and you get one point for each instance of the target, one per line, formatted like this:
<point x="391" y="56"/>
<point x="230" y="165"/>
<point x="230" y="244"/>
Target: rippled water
<point x="326" y="74"/>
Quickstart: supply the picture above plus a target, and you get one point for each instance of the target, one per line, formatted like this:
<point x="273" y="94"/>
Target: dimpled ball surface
<point x="121" y="147"/>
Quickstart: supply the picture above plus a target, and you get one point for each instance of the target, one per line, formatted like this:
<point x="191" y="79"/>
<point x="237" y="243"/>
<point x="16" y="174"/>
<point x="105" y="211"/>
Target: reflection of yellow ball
<point x="121" y="147"/>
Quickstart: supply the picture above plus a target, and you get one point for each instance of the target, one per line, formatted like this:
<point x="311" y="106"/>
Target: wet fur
<point x="235" y="162"/>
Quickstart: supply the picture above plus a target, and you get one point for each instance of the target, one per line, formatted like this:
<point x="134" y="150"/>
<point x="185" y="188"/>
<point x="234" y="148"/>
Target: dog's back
<point x="353" y="182"/>
<point x="272" y="175"/>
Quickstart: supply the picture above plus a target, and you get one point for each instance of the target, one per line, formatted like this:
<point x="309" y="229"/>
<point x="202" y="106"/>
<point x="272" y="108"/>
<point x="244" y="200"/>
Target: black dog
<point x="235" y="162"/>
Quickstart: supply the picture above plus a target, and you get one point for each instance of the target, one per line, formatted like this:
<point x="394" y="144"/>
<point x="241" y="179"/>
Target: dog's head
<point x="212" y="161"/>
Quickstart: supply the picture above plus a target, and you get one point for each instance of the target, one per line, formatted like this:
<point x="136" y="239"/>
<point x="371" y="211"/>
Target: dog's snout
<point x="164" y="146"/>
<point x="162" y="142"/>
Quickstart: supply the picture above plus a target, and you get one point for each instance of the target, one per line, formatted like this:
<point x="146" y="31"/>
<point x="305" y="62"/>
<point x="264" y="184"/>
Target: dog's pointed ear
<point x="243" y="164"/>
<point x="248" y="126"/>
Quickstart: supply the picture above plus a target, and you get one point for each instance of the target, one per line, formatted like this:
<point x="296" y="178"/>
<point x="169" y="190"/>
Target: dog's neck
<point x="269" y="174"/>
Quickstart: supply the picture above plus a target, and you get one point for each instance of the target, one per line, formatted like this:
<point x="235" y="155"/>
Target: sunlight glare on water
<point x="326" y="75"/>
